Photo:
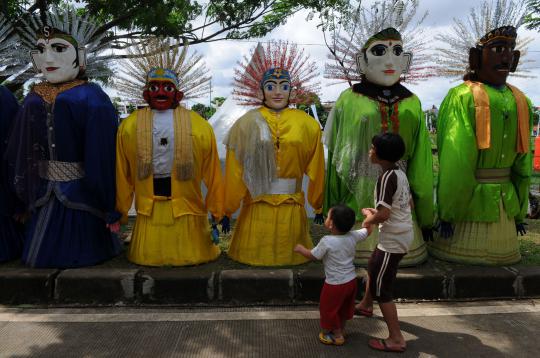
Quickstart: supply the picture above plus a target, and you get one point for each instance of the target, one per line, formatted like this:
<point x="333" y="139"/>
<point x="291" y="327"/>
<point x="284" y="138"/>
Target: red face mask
<point x="162" y="95"/>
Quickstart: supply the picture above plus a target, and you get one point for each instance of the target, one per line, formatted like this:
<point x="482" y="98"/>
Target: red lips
<point x="389" y="72"/>
<point x="50" y="69"/>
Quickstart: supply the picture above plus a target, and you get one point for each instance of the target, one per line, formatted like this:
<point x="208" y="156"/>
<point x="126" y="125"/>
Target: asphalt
<point x="226" y="284"/>
<point x="450" y="329"/>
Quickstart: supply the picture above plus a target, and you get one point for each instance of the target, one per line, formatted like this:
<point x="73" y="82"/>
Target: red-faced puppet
<point x="161" y="91"/>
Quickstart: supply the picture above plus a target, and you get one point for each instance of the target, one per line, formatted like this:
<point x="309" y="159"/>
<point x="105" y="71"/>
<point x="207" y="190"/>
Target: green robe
<point x="460" y="196"/>
<point x="350" y="180"/>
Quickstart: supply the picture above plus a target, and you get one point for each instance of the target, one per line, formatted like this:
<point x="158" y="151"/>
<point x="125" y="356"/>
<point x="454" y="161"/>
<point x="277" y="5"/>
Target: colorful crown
<point x="279" y="60"/>
<point x="162" y="59"/>
<point x="276" y="74"/>
<point x="162" y="74"/>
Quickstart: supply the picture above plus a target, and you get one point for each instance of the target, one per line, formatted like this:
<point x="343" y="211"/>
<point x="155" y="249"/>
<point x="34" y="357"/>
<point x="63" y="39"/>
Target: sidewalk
<point x="224" y="282"/>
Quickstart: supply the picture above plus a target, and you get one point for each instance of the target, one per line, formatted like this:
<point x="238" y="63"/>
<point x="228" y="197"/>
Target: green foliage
<point x="197" y="21"/>
<point x="204" y="111"/>
<point x="130" y="108"/>
<point x="311" y="98"/>
<point x="167" y="18"/>
<point x="532" y="20"/>
<point x="530" y="252"/>
<point x="218" y="101"/>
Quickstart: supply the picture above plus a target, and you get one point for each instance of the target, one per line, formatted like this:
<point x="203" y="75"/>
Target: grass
<point x="529" y="245"/>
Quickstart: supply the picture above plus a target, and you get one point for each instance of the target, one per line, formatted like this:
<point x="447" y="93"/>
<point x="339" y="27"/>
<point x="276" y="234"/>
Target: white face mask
<point x="277" y="94"/>
<point x="55" y="58"/>
<point x="385" y="63"/>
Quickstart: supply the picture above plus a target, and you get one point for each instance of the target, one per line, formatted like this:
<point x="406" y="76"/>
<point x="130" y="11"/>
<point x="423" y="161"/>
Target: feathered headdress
<point x="249" y="74"/>
<point x="191" y="71"/>
<point x="81" y="29"/>
<point x="365" y="23"/>
<point x="453" y="60"/>
<point x="11" y="62"/>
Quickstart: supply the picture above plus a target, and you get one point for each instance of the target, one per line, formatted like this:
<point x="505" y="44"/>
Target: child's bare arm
<point x="368" y="212"/>
<point x="381" y="214"/>
<point x="300" y="249"/>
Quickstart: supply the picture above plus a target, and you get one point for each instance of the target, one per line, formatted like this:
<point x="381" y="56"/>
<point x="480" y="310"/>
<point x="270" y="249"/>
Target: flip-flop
<point x="363" y="312"/>
<point x="330" y="339"/>
<point x="380" y="345"/>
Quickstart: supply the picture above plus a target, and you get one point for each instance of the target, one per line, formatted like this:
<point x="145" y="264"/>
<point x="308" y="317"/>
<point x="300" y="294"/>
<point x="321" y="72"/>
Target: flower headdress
<point x="80" y="31"/>
<point x="367" y="22"/>
<point x="489" y="19"/>
<point x="283" y="55"/>
<point x="163" y="54"/>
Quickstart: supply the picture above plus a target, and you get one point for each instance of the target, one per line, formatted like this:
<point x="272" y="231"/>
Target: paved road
<point x="480" y="329"/>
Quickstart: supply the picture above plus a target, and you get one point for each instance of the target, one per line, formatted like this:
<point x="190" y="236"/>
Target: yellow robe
<point x="170" y="231"/>
<point x="270" y="226"/>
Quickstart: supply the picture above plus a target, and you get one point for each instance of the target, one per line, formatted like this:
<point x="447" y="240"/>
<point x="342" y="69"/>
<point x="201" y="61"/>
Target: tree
<point x="532" y="19"/>
<point x="312" y="98"/>
<point x="204" y="111"/>
<point x="198" y="22"/>
<point x="218" y="101"/>
<point x="130" y="22"/>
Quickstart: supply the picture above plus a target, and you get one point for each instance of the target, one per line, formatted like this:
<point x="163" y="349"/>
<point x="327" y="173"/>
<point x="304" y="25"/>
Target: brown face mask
<point x="494" y="61"/>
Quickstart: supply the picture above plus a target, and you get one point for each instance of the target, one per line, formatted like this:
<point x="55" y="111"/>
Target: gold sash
<point x="483" y="117"/>
<point x="183" y="143"/>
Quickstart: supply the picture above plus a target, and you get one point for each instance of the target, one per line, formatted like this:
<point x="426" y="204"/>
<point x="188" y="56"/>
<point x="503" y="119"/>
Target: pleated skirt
<point x="162" y="240"/>
<point x="266" y="234"/>
<point x="480" y="243"/>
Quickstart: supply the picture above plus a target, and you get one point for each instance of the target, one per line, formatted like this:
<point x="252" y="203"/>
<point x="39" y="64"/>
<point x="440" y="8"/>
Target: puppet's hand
<point x="319" y="219"/>
<point x="225" y="225"/>
<point x="521" y="229"/>
<point x="446" y="229"/>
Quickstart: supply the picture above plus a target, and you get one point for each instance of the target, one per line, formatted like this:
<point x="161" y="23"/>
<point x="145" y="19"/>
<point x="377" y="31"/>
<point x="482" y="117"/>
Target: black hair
<point x="389" y="146"/>
<point x="342" y="217"/>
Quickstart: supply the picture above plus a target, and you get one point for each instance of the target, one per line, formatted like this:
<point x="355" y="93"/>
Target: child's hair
<point x="389" y="146"/>
<point x="342" y="217"/>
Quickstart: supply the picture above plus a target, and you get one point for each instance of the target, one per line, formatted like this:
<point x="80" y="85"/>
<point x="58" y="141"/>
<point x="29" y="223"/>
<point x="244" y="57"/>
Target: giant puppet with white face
<point x="379" y="103"/>
<point x="57" y="56"/>
<point x="62" y="151"/>
<point x="382" y="60"/>
<point x="269" y="150"/>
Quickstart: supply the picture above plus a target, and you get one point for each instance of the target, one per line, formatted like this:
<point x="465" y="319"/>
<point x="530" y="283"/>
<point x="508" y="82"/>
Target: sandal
<point x="330" y="339"/>
<point x="380" y="345"/>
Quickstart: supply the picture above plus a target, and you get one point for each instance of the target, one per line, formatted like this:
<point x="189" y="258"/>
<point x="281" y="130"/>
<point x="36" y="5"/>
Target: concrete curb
<point x="251" y="286"/>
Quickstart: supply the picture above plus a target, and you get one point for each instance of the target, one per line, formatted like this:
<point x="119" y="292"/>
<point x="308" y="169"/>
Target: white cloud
<point x="221" y="57"/>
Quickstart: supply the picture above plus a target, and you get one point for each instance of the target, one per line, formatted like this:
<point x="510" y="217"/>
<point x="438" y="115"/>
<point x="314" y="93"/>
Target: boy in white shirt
<point x="337" y="252"/>
<point x="392" y="213"/>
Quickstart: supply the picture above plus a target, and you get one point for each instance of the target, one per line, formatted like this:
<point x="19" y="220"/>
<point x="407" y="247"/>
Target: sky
<point x="221" y="57"/>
